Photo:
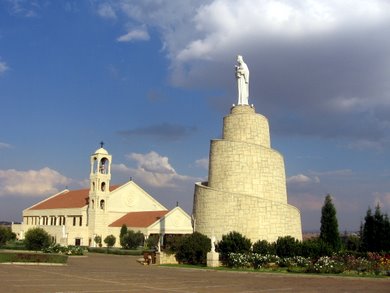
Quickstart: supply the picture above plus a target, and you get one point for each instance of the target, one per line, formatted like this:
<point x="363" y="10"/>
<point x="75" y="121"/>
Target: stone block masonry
<point x="246" y="189"/>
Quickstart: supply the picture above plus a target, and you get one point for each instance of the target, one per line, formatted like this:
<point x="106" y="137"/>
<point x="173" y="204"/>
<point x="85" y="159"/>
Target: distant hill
<point x="5" y="223"/>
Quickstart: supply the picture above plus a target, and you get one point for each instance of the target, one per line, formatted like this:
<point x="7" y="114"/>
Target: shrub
<point x="36" y="239"/>
<point x="263" y="247"/>
<point x="98" y="240"/>
<point x="132" y="240"/>
<point x="326" y="265"/>
<point x="172" y="242"/>
<point x="54" y="248"/>
<point x="68" y="250"/>
<point x="350" y="242"/>
<point x="294" y="262"/>
<point x="193" y="249"/>
<point x="315" y="248"/>
<point x="6" y="235"/>
<point x="239" y="260"/>
<point x="152" y="241"/>
<point x="263" y="260"/>
<point x="287" y="246"/>
<point x="233" y="242"/>
<point x="110" y="240"/>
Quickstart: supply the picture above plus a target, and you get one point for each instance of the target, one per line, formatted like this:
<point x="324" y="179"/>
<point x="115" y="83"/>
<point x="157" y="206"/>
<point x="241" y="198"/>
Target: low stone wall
<point x="163" y="258"/>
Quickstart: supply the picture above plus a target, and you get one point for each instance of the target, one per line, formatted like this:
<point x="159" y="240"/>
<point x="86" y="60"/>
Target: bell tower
<point x="100" y="174"/>
<point x="99" y="190"/>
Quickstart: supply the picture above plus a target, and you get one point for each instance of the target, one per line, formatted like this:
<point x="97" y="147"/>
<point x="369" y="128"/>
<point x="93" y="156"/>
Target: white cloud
<point x="3" y="67"/>
<point x="4" y="145"/>
<point x="302" y="179"/>
<point x="221" y="24"/>
<point x="331" y="57"/>
<point x="202" y="163"/>
<point x="152" y="162"/>
<point x="383" y="199"/>
<point x="154" y="170"/>
<point x="32" y="182"/>
<point x="135" y="35"/>
<point x="306" y="202"/>
<point x="25" y="8"/>
<point x="105" y="10"/>
<point x="195" y="29"/>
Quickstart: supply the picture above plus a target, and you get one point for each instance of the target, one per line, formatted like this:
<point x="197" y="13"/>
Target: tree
<point x="329" y="226"/>
<point x="375" y="232"/>
<point x="98" y="240"/>
<point x="386" y="234"/>
<point x="287" y="246"/>
<point x="350" y="242"/>
<point x="193" y="249"/>
<point x="110" y="240"/>
<point x="367" y="232"/>
<point x="263" y="247"/>
<point x="172" y="242"/>
<point x="152" y="241"/>
<point x="122" y="233"/>
<point x="315" y="248"/>
<point x="233" y="242"/>
<point x="36" y="239"/>
<point x="6" y="235"/>
<point x="132" y="240"/>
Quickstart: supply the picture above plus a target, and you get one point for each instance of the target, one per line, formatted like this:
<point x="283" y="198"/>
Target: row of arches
<point x="101" y="204"/>
<point x="102" y="186"/>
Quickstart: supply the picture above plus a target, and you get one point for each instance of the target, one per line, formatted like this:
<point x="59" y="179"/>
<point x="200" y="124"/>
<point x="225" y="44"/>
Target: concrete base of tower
<point x="217" y="213"/>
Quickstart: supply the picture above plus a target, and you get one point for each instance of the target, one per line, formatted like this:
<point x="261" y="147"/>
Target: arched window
<point x="95" y="165"/>
<point x="103" y="186"/>
<point x="93" y="186"/>
<point x="93" y="204"/>
<point x="103" y="166"/>
<point x="102" y="204"/>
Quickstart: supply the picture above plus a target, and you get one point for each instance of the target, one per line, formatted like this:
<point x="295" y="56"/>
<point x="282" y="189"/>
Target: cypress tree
<point x="376" y="231"/>
<point x="122" y="233"/>
<point x="386" y="234"/>
<point x="329" y="225"/>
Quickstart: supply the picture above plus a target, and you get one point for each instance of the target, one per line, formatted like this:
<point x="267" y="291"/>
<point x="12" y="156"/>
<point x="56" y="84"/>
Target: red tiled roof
<point x="67" y="200"/>
<point x="139" y="219"/>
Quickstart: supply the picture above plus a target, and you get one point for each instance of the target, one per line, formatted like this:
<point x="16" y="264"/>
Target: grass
<point x="32" y="257"/>
<point x="14" y="245"/>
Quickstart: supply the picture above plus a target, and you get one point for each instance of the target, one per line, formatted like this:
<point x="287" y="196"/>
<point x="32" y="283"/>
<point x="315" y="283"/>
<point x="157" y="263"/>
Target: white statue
<point x="242" y="75"/>
<point x="213" y="244"/>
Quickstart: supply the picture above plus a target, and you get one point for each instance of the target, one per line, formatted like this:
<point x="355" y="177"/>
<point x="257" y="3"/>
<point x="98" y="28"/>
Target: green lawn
<point x="36" y="257"/>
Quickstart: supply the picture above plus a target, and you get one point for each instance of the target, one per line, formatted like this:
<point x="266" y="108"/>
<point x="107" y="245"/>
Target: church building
<point x="75" y="217"/>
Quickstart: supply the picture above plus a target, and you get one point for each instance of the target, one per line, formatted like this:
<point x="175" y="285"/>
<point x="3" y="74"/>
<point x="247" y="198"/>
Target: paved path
<point x="110" y="273"/>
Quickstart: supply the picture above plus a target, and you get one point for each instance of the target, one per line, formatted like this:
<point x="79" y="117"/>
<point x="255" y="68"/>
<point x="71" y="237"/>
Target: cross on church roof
<point x="101" y="144"/>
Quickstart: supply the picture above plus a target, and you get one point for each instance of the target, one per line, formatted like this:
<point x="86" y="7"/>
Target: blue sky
<point x="154" y="79"/>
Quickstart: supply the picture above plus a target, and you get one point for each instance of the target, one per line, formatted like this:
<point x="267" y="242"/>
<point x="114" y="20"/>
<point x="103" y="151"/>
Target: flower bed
<point x="68" y="250"/>
<point x="372" y="264"/>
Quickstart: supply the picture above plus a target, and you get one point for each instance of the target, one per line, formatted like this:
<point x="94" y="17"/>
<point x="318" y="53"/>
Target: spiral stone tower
<point x="246" y="188"/>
